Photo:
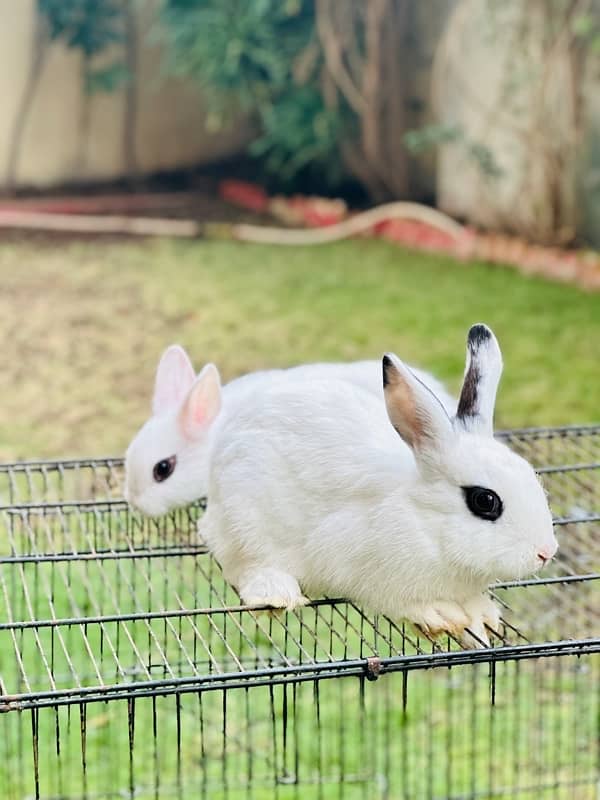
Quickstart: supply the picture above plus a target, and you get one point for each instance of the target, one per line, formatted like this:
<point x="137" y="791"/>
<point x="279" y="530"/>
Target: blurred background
<point x="292" y="113"/>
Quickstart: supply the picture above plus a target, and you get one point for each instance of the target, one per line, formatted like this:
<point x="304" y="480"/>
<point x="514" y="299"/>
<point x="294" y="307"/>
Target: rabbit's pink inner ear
<point x="174" y="377"/>
<point x="202" y="405"/>
<point x="401" y="406"/>
<point x="415" y="412"/>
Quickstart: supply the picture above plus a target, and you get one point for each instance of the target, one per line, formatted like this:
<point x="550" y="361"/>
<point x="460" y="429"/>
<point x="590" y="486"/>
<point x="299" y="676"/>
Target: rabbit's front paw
<point x="484" y="615"/>
<point x="442" y="616"/>
<point x="271" y="587"/>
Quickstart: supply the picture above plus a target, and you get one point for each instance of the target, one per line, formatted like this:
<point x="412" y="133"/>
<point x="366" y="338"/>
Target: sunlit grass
<point x="83" y="325"/>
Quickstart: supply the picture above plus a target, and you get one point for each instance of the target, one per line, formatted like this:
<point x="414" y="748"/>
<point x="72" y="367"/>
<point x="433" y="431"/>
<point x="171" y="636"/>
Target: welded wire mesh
<point x="128" y="667"/>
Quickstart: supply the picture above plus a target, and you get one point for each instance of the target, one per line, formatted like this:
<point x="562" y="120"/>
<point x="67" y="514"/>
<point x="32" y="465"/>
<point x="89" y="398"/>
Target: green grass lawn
<point x="83" y="325"/>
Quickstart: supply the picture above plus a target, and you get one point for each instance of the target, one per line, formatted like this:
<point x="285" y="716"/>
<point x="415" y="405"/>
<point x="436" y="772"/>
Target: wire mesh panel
<point x="433" y="735"/>
<point x="128" y="667"/>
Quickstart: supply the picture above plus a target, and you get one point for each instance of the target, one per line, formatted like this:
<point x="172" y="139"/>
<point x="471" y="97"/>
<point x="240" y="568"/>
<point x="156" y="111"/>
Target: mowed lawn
<point x="84" y="323"/>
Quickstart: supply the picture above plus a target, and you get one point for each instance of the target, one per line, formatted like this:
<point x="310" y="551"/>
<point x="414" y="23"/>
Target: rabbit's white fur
<point x="176" y="389"/>
<point x="311" y="491"/>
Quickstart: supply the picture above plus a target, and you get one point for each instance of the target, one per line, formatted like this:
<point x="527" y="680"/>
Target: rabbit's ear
<point x="174" y="377"/>
<point x="482" y="375"/>
<point x="413" y="409"/>
<point x="202" y="403"/>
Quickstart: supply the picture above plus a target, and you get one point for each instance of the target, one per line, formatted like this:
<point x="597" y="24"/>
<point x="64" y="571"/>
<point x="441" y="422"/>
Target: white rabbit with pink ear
<point x="312" y="493"/>
<point x="167" y="462"/>
<point x="177" y="439"/>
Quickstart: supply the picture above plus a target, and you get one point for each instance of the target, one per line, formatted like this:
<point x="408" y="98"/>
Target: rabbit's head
<point x="167" y="461"/>
<point x="482" y="505"/>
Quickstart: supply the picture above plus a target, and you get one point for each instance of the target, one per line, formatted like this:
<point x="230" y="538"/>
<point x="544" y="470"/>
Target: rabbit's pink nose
<point x="546" y="553"/>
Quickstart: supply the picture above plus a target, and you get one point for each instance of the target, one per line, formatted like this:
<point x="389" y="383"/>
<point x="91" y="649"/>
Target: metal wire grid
<point x="99" y="604"/>
<point x="430" y="734"/>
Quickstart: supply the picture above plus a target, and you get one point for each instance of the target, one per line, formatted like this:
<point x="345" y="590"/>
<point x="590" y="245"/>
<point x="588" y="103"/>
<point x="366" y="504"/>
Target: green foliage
<point x="247" y="56"/>
<point x="265" y="58"/>
<point x="428" y="136"/>
<point x="92" y="28"/>
<point x="431" y="136"/>
<point x="300" y="133"/>
<point x="586" y="27"/>
<point x="484" y="159"/>
<point x="244" y="49"/>
<point x="84" y="25"/>
<point x="107" y="79"/>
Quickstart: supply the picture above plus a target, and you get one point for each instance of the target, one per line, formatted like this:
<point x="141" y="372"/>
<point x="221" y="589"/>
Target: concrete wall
<point x="169" y="120"/>
<point x="496" y="85"/>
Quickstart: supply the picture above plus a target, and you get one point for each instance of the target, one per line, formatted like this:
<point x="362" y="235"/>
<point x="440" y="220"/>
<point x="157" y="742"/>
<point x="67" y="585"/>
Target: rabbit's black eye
<point x="162" y="469"/>
<point x="482" y="502"/>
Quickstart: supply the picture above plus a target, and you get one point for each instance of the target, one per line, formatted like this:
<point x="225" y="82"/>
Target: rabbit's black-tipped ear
<point x="414" y="411"/>
<point x="482" y="375"/>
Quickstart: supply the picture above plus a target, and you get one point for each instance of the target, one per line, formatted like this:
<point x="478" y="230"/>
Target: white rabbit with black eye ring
<point x="168" y="460"/>
<point x="312" y="493"/>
